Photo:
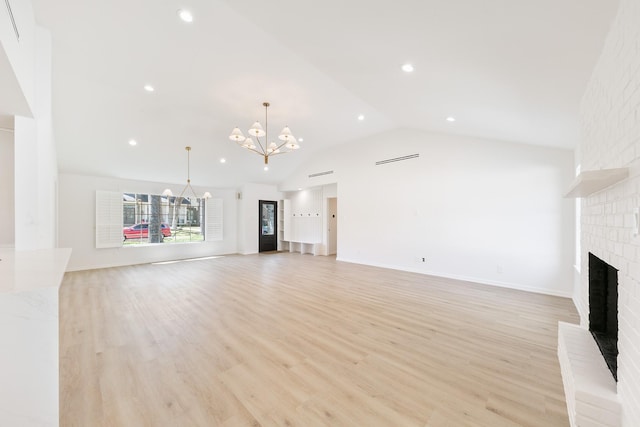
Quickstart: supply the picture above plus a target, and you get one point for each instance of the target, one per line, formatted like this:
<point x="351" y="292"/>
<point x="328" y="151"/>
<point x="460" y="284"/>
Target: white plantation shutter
<point x="108" y="219"/>
<point x="287" y="221"/>
<point x="213" y="225"/>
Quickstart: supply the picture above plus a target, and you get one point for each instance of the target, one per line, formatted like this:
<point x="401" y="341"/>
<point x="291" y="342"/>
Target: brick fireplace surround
<point x="610" y="138"/>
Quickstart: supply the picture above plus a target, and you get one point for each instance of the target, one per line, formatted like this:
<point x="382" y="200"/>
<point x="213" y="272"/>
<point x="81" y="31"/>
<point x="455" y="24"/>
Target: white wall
<point x="77" y="224"/>
<point x="7" y="208"/>
<point x="35" y="161"/>
<point x="480" y="210"/>
<point x="610" y="114"/>
<point x="34" y="170"/>
<point x="47" y="154"/>
<point x="248" y="214"/>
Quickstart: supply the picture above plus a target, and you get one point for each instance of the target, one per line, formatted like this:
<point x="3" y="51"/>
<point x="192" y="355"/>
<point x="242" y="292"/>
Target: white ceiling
<point x="506" y="69"/>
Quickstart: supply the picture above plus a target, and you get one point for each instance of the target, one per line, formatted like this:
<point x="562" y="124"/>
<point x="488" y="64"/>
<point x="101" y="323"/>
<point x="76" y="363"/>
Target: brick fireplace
<point x="610" y="138"/>
<point x="588" y="358"/>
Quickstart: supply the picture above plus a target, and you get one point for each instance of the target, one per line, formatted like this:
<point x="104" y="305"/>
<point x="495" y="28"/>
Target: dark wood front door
<point x="268" y="225"/>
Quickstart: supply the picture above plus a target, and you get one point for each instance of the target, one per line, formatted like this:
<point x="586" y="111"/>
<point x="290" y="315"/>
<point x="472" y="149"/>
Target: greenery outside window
<point x="130" y="219"/>
<point x="151" y="218"/>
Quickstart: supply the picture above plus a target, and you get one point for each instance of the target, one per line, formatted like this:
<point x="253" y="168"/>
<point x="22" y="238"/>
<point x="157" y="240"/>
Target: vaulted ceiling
<point x="505" y="69"/>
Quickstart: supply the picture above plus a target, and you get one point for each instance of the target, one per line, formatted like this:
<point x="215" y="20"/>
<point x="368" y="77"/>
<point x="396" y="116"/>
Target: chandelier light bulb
<point x="248" y="143"/>
<point x="185" y="15"/>
<point x="286" y="134"/>
<point x="407" y="68"/>
<point x="257" y="130"/>
<point x="237" y="135"/>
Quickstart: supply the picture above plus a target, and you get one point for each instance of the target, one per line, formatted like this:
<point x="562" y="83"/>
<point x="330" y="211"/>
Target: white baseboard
<point x="508" y="285"/>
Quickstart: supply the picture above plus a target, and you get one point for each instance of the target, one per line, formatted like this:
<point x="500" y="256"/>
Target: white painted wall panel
<point x="306" y="216"/>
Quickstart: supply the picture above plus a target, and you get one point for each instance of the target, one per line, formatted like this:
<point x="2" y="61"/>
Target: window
<point x="175" y="219"/>
<point x="130" y="219"/>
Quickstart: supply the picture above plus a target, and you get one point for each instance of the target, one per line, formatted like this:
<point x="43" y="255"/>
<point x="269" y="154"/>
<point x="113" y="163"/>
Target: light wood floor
<point x="296" y="340"/>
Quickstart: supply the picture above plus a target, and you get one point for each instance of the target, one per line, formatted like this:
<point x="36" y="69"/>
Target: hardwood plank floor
<point x="296" y="340"/>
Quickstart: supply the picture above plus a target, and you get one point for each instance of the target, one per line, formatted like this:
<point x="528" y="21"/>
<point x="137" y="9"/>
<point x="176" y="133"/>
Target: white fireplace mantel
<point x="590" y="182"/>
<point x="589" y="387"/>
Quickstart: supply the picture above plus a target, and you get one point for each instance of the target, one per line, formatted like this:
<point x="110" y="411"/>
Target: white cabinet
<point x="284" y="224"/>
<point x="286" y="219"/>
<point x="302" y="222"/>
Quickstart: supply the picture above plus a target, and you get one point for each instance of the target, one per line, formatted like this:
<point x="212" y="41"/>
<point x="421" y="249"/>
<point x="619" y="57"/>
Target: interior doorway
<point x="267" y="226"/>
<point x="332" y="226"/>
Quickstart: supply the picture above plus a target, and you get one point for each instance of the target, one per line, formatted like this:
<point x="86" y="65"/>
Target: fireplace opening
<point x="603" y="310"/>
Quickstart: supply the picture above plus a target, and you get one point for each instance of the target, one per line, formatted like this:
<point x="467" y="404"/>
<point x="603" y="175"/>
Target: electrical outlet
<point x="499" y="269"/>
<point x="424" y="259"/>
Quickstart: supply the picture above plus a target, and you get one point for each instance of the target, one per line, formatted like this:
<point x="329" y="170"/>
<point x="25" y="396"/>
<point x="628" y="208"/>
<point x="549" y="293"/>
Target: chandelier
<point x="168" y="193"/>
<point x="266" y="149"/>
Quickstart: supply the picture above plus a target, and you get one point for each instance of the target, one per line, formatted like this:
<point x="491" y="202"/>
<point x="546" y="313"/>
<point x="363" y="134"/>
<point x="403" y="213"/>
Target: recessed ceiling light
<point x="299" y="189"/>
<point x="301" y="139"/>
<point x="133" y="142"/>
<point x="223" y="160"/>
<point x="149" y="88"/>
<point x="266" y="168"/>
<point x="451" y="119"/>
<point x="361" y="117"/>
<point x="407" y="68"/>
<point x="185" y="15"/>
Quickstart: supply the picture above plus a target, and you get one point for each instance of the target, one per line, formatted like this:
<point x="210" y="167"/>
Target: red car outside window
<point x="141" y="231"/>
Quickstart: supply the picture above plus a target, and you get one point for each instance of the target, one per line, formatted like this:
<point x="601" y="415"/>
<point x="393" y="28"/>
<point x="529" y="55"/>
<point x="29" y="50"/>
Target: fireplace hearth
<point x="603" y="310"/>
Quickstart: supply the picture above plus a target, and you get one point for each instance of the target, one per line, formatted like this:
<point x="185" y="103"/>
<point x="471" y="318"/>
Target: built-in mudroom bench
<point x="307" y="221"/>
<point x="301" y="224"/>
<point x="312" y="248"/>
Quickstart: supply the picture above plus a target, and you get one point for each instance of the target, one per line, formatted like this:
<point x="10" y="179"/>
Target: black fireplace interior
<point x="603" y="310"/>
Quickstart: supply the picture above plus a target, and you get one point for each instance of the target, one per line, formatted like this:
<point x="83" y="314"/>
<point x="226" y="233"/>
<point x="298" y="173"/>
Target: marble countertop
<point x="23" y="271"/>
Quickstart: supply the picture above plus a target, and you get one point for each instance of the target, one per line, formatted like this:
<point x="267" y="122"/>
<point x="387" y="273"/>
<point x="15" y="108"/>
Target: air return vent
<point x="313" y="175"/>
<point x="397" y="159"/>
<point x="13" y="21"/>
